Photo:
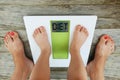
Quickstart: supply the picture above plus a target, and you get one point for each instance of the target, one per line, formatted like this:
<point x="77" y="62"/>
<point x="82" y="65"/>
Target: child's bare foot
<point x="41" y="39"/>
<point x="41" y="69"/>
<point x="80" y="36"/>
<point x="77" y="71"/>
<point x="104" y="48"/>
<point x="15" y="47"/>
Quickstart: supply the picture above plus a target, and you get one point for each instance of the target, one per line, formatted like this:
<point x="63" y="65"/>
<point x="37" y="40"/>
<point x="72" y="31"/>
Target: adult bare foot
<point x="104" y="48"/>
<point x="41" y="39"/>
<point x="23" y="66"/>
<point x="80" y="36"/>
<point x="76" y="70"/>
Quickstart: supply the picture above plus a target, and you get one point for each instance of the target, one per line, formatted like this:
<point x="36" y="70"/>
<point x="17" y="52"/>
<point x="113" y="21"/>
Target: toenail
<point x="111" y="40"/>
<point x="4" y="38"/>
<point x="81" y="28"/>
<point x="78" y="25"/>
<point x="12" y="33"/>
<point x="106" y="37"/>
<point x="41" y="27"/>
<point x="8" y="32"/>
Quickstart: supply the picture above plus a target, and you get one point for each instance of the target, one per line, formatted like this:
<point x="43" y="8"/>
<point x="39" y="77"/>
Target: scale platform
<point x="60" y="32"/>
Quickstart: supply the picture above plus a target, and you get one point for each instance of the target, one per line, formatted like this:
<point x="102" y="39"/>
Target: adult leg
<point x="23" y="66"/>
<point x="104" y="48"/>
<point x="76" y="70"/>
<point x="41" y="70"/>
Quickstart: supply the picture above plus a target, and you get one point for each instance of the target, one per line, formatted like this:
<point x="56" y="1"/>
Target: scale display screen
<point x="60" y="38"/>
<point x="60" y="26"/>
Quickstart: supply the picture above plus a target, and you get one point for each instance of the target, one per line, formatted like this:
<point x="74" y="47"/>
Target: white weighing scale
<point x="60" y="32"/>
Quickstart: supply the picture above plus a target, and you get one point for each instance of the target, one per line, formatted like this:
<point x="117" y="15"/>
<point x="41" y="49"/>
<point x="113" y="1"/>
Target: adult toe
<point x="104" y="38"/>
<point x="14" y="35"/>
<point x="8" y="39"/>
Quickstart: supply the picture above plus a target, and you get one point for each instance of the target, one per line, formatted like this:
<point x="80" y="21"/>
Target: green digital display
<point x="60" y="26"/>
<point x="60" y="38"/>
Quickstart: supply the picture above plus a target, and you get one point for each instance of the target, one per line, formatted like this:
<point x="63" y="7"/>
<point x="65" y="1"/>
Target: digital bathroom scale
<point x="60" y="32"/>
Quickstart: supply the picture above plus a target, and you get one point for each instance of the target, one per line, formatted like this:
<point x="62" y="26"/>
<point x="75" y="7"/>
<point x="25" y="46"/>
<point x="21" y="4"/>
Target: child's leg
<point x="104" y="48"/>
<point x="23" y="66"/>
<point x="76" y="70"/>
<point x="41" y="70"/>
